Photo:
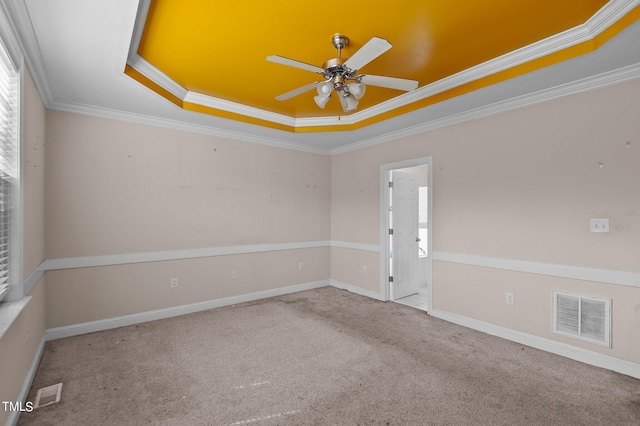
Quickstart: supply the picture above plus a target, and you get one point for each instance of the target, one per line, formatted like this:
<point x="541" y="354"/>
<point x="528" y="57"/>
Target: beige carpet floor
<point x="320" y="357"/>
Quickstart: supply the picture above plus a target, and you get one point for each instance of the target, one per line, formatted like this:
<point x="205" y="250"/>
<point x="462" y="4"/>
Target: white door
<point x="404" y="254"/>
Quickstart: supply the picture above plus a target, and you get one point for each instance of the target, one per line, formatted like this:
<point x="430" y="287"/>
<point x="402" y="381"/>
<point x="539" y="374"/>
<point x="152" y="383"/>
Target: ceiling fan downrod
<point x="335" y="71"/>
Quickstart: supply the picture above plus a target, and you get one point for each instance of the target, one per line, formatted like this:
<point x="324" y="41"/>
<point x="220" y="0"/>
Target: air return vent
<point x="585" y="318"/>
<point x="47" y="396"/>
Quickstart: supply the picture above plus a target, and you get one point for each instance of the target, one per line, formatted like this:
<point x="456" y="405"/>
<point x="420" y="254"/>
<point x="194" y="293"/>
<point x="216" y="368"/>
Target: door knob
<point x="418" y="240"/>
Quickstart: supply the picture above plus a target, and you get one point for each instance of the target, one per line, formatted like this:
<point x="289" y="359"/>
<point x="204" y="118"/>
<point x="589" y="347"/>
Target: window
<point x="8" y="163"/>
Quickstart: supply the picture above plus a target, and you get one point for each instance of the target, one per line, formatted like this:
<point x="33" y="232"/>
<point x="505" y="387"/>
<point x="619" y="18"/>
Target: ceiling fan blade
<point x="296" y="92"/>
<point x="293" y="63"/>
<point x="367" y="53"/>
<point x="389" y="82"/>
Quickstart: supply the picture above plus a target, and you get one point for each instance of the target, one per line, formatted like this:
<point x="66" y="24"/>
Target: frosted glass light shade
<point x="324" y="88"/>
<point x="349" y="103"/>
<point x="352" y="103"/>
<point x="357" y="89"/>
<point x="321" y="101"/>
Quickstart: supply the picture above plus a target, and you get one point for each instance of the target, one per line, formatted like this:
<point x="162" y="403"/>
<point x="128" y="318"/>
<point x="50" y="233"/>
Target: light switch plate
<point x="599" y="225"/>
<point x="510" y="299"/>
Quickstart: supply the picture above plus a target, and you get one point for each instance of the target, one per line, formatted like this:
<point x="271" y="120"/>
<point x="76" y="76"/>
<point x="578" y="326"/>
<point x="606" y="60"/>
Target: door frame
<point x="385" y="176"/>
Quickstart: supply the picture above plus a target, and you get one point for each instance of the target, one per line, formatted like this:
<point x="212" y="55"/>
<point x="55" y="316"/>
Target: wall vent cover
<point x="584" y="318"/>
<point x="47" y="396"/>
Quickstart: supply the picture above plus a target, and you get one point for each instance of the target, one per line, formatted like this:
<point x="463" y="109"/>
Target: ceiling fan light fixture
<point x="352" y="103"/>
<point x="321" y="100"/>
<point x="324" y="88"/>
<point x="348" y="102"/>
<point x="337" y="73"/>
<point x="357" y="90"/>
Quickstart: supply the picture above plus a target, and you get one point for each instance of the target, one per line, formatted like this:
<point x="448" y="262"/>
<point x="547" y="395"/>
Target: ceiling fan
<point x="341" y="75"/>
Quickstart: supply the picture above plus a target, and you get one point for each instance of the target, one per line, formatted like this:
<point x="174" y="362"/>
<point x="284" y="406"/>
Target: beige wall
<point x="348" y="267"/>
<point x="18" y="347"/>
<point x="88" y="294"/>
<point x="115" y="188"/>
<point x="520" y="185"/>
<point x="20" y="343"/>
<point x="523" y="185"/>
<point x="33" y="176"/>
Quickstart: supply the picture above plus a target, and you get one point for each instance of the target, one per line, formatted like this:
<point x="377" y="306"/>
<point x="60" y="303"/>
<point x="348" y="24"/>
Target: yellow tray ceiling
<point x="218" y="49"/>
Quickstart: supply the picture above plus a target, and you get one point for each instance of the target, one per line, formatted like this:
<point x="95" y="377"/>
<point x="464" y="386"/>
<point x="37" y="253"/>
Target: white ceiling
<point x="77" y="49"/>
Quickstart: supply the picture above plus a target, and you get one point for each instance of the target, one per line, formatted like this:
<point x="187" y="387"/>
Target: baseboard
<point x="355" y="289"/>
<point x="578" y="354"/>
<point x="14" y="416"/>
<point x="115" y="322"/>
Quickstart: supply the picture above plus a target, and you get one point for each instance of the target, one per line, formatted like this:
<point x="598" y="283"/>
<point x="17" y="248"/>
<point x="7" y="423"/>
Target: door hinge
<point x="390" y="279"/>
<point x="390" y="231"/>
<point x="390" y="184"/>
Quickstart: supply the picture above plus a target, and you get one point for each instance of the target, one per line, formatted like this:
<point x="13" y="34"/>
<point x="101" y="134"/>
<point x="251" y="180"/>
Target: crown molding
<point x="236" y="108"/>
<point x="25" y="44"/>
<point x="138" y="28"/>
<point x="586" y="84"/>
<point x="181" y="125"/>
<point x="157" y="76"/>
<point x="602" y="20"/>
<point x="610" y="13"/>
<point x="601" y="80"/>
<point x="8" y="37"/>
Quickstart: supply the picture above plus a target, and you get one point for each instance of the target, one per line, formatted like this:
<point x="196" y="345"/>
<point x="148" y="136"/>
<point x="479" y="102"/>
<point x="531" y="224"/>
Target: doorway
<point x="405" y="234"/>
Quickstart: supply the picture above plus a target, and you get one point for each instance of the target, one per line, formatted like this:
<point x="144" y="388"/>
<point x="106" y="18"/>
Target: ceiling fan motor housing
<point x="337" y="73"/>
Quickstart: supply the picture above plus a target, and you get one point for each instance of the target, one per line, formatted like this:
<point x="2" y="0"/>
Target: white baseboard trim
<point x="355" y="289"/>
<point x="578" y="354"/>
<point x="125" y="320"/>
<point x="14" y="416"/>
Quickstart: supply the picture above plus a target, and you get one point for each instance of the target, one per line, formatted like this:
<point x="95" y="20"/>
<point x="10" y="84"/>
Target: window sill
<point x="9" y="311"/>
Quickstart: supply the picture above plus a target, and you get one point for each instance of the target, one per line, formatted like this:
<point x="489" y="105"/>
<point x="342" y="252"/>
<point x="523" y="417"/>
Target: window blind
<point x="8" y="162"/>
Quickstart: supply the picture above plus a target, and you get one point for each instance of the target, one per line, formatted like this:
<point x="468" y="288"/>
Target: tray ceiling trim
<point x="579" y="38"/>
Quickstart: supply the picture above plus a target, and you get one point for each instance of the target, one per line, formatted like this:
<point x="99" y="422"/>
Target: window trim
<point x="9" y="43"/>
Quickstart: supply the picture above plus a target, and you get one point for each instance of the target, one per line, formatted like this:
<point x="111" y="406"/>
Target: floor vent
<point x="47" y="396"/>
<point x="584" y="318"/>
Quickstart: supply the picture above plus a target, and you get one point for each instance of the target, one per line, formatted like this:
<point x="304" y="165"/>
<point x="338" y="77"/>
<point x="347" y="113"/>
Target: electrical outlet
<point x="234" y="274"/>
<point x="599" y="225"/>
<point x="364" y="269"/>
<point x="510" y="299"/>
<point x="300" y="266"/>
<point x="174" y="282"/>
